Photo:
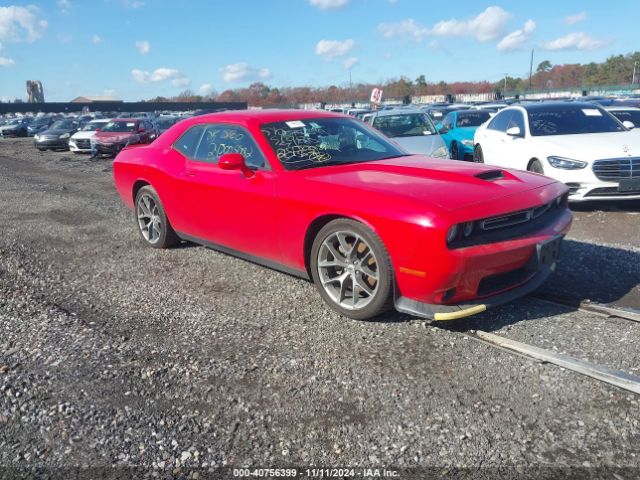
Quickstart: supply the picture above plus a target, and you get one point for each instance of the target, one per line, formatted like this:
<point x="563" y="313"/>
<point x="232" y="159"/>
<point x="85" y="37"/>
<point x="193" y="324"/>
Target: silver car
<point x="412" y="129"/>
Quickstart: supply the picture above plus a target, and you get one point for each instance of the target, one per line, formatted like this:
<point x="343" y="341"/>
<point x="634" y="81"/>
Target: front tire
<point x="454" y="151"/>
<point x="536" y="167"/>
<point x="478" y="156"/>
<point x="153" y="225"/>
<point x="352" y="269"/>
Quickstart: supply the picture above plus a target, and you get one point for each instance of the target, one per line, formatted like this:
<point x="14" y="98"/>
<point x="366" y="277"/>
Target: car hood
<point x="113" y="137"/>
<point x="450" y="184"/>
<point x="464" y="133"/>
<point x="424" y="144"/>
<point x="82" y="135"/>
<point x="57" y="131"/>
<point x="591" y="146"/>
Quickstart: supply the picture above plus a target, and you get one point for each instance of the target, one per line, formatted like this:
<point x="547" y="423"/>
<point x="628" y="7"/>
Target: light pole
<point x="505" y="83"/>
<point x="633" y="79"/>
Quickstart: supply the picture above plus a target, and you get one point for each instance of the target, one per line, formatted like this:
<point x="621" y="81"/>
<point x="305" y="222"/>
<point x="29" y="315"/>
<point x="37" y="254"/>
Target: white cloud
<point x="143" y="46"/>
<point x="574" y="41"/>
<point x="243" y="72"/>
<point x="516" y="39"/>
<point x="6" y="62"/>
<point x="96" y="39"/>
<point x="178" y="79"/>
<point x="205" y="89"/>
<point x="20" y="24"/>
<point x="434" y="44"/>
<point x="350" y="62"/>
<point x="573" y="19"/>
<point x="64" y="5"/>
<point x="486" y="26"/>
<point x="328" y="4"/>
<point x="330" y="49"/>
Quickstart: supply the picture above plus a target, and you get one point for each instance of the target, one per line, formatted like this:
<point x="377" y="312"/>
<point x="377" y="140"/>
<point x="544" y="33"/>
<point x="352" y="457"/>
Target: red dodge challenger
<point x="327" y="198"/>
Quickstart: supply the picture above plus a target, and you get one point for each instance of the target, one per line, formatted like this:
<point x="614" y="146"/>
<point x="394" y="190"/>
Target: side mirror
<point x="234" y="161"/>
<point x="629" y="125"/>
<point x="514" y="132"/>
<point x="443" y="129"/>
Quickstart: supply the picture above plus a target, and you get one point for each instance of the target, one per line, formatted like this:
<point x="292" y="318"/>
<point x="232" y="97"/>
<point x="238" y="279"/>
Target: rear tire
<point x="153" y="225"/>
<point x="478" y="156"/>
<point x="535" y="166"/>
<point x="351" y="269"/>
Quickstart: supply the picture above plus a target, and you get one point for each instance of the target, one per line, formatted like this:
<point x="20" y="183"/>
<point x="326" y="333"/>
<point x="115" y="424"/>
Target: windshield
<point x="472" y="119"/>
<point x="121" y="127"/>
<point x="40" y="121"/>
<point x="92" y="127"/>
<point x="632" y="116"/>
<point x="404" y="125"/>
<point x="316" y="142"/>
<point x="571" y="120"/>
<point x="64" y="125"/>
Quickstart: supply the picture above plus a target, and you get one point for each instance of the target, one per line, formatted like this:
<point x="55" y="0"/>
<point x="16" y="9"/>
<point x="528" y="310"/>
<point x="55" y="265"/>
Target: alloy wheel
<point x="149" y="219"/>
<point x="348" y="270"/>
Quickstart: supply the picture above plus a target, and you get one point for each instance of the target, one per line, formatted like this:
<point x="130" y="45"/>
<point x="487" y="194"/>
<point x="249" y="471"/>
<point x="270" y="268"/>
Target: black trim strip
<point x="245" y="256"/>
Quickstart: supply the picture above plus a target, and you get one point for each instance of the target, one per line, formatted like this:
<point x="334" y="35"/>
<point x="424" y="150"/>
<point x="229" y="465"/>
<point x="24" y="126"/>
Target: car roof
<point x="398" y="111"/>
<point x="553" y="105"/>
<point x="264" y="116"/>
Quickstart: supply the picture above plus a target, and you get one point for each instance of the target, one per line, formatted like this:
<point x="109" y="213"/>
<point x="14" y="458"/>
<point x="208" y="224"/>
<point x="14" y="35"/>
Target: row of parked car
<point x="592" y="148"/>
<point x="88" y="133"/>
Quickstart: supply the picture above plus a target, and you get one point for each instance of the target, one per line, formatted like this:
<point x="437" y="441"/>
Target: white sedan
<point x="580" y="144"/>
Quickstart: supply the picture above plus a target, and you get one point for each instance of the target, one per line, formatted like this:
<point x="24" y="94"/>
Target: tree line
<point x="615" y="70"/>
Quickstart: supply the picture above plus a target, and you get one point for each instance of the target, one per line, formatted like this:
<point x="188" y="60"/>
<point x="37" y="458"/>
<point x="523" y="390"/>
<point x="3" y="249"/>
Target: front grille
<point x="83" y="143"/>
<point x="495" y="283"/>
<point x="616" y="169"/>
<point x="609" y="192"/>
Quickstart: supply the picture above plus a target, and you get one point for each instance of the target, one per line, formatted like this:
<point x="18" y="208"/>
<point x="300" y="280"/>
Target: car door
<point x="493" y="139"/>
<point x="516" y="150"/>
<point x="227" y="208"/>
<point x="448" y="124"/>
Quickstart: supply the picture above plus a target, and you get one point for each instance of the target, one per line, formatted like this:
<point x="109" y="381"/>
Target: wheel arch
<point x="318" y="223"/>
<point x="137" y="185"/>
<point x="531" y="160"/>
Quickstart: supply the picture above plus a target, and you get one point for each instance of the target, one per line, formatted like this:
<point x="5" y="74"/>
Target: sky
<point x="139" y="49"/>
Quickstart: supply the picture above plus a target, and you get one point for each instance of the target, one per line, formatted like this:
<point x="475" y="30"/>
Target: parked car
<point x="413" y="130"/>
<point x="57" y="136"/>
<point x="577" y="143"/>
<point x="457" y="130"/>
<point x="121" y="132"/>
<point x="80" y="142"/>
<point x="371" y="226"/>
<point x="164" y="123"/>
<point x="18" y="127"/>
<point x="40" y="124"/>
<point x="438" y="112"/>
<point x="626" y="114"/>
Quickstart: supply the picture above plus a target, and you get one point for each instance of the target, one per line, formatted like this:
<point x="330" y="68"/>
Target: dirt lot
<point x="185" y="360"/>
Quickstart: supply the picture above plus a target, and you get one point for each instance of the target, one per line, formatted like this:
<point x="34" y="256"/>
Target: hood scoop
<point x="490" y="175"/>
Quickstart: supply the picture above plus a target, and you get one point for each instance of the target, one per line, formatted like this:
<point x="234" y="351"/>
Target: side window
<point x="501" y="121"/>
<point x="448" y="121"/>
<point x="188" y="142"/>
<point x="517" y="120"/>
<point x="220" y="139"/>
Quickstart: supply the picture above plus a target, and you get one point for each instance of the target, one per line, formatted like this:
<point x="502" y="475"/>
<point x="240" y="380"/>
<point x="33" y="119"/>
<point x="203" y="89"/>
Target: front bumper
<point x="535" y="276"/>
<point x="52" y="143"/>
<point x="583" y="192"/>
<point x="109" y="148"/>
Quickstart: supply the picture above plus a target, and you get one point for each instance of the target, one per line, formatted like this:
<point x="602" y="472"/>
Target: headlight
<point x="467" y="228"/>
<point x="566" y="163"/>
<point x="36" y="136"/>
<point x="452" y="233"/>
<point x="468" y="143"/>
<point x="64" y="135"/>
<point x="440" y="152"/>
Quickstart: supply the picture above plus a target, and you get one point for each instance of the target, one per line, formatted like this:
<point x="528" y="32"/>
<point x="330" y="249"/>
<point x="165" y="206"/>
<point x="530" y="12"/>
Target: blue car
<point x="457" y="130"/>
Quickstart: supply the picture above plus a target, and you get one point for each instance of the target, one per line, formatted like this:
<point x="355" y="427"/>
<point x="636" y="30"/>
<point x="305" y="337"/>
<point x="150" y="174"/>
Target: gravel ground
<point x="118" y="356"/>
